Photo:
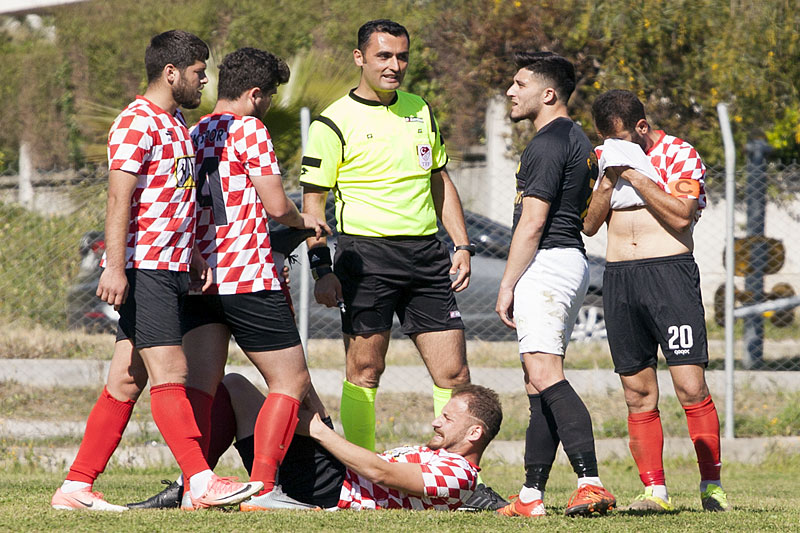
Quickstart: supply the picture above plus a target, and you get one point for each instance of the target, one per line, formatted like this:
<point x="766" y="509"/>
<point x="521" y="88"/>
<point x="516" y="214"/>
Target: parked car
<point x="476" y="303"/>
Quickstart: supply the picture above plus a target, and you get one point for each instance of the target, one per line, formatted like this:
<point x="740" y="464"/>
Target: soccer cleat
<point x="650" y="503"/>
<point x="186" y="502"/>
<point x="224" y="491"/>
<point x="169" y="498"/>
<point x="483" y="499"/>
<point x="83" y="499"/>
<point x="714" y="499"/>
<point x="589" y="499"/>
<point x="534" y="509"/>
<point x="274" y="499"/>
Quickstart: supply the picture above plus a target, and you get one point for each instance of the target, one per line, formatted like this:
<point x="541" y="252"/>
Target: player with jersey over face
<point x="149" y="234"/>
<point x="546" y="279"/>
<point x="651" y="195"/>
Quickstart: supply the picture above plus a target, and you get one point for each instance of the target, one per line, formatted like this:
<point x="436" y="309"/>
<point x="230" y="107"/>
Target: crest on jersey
<point x="184" y="172"/>
<point x="425" y="156"/>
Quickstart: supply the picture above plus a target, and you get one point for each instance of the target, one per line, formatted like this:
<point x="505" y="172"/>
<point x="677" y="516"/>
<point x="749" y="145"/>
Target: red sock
<point x="201" y="407"/>
<point x="273" y="434"/>
<point x="223" y="425"/>
<point x="172" y="413"/>
<point x="103" y="432"/>
<point x="703" y="425"/>
<point x="647" y="446"/>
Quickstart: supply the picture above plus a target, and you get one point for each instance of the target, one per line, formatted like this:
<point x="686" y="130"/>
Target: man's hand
<point x="328" y="290"/>
<point x="318" y="225"/>
<point x="505" y="307"/>
<point x="200" y="274"/>
<point x="614" y="173"/>
<point x="461" y="266"/>
<point x="113" y="287"/>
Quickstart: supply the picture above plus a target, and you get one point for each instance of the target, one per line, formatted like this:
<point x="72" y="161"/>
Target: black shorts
<point x="151" y="313"/>
<point x="382" y="276"/>
<point x="309" y="473"/>
<point x="259" y="321"/>
<point x="651" y="302"/>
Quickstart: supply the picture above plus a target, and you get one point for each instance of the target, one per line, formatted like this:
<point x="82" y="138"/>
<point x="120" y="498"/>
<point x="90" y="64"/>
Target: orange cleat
<point x="534" y="509"/>
<point x="588" y="500"/>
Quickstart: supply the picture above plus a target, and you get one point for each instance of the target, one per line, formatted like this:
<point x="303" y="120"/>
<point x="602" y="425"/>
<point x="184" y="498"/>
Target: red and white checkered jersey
<point x="449" y="481"/>
<point x="232" y="232"/>
<point x="154" y="145"/>
<point x="675" y="159"/>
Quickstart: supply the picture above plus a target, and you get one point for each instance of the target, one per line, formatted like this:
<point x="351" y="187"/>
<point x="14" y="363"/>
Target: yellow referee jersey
<point x="378" y="160"/>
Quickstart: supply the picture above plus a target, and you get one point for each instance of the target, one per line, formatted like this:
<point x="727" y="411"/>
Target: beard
<point x="187" y="97"/>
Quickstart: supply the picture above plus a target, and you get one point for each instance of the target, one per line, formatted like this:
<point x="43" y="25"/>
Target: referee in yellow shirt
<point x="381" y="152"/>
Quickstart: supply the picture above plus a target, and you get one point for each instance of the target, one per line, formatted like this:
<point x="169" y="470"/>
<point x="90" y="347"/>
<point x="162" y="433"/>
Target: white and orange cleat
<point x="534" y="509"/>
<point x="83" y="499"/>
<point x="225" y="491"/>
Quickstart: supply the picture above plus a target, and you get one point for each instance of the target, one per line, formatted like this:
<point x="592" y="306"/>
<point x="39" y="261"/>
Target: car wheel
<point x="590" y="324"/>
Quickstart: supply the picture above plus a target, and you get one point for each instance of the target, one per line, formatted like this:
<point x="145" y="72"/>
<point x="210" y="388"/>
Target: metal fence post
<point x="730" y="199"/>
<point x="756" y="202"/>
<point x="305" y="285"/>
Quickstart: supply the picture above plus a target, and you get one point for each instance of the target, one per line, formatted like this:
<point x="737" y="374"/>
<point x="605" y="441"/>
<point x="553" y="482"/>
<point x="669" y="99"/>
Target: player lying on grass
<point x="322" y="468"/>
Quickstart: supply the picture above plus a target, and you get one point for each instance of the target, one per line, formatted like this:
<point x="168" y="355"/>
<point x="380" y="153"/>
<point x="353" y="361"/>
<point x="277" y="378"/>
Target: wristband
<point x="468" y="247"/>
<point x="319" y="272"/>
<point x="319" y="256"/>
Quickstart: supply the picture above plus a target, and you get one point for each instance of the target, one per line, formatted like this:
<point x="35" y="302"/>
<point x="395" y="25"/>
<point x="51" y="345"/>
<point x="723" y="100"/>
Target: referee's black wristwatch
<point x="319" y="272"/>
<point x="468" y="247"/>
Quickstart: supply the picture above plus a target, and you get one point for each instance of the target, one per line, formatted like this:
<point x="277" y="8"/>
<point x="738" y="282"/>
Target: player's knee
<point x="235" y="381"/>
<point x="690" y="394"/>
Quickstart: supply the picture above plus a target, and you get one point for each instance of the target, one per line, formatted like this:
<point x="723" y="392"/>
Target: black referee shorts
<point x="408" y="276"/>
<point x="652" y="302"/>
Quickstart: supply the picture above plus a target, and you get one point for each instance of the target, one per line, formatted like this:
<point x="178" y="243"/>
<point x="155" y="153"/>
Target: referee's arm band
<point x="312" y="186"/>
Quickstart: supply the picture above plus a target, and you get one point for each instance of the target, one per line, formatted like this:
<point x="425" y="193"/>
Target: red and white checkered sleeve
<point x="129" y="143"/>
<point x="449" y="478"/>
<point x="254" y="145"/>
<point x="685" y="163"/>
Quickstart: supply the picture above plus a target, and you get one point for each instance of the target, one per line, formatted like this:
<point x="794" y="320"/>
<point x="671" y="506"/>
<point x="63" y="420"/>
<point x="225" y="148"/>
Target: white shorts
<point x="547" y="299"/>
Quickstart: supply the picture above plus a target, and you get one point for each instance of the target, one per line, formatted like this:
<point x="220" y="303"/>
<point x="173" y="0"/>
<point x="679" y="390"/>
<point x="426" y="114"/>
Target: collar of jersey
<point x="374" y="103"/>
<point x="661" y="135"/>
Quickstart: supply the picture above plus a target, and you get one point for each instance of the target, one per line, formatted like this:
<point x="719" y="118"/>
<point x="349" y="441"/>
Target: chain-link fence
<point x="51" y="241"/>
<point x="50" y="248"/>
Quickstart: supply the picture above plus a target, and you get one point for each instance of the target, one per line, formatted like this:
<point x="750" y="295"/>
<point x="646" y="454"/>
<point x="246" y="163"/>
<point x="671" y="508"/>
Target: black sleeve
<point x="543" y="166"/>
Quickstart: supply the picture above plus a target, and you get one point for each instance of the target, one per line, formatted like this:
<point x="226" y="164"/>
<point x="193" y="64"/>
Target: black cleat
<point x="483" y="499"/>
<point x="169" y="498"/>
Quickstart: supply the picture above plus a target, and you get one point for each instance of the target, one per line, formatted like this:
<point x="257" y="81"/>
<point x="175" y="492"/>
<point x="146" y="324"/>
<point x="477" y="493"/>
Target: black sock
<point x="574" y="426"/>
<point x="541" y="443"/>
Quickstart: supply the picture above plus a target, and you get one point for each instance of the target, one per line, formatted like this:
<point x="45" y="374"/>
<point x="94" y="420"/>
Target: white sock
<point x="179" y="481"/>
<point x="198" y="483"/>
<point x="528" y="494"/>
<point x="660" y="491"/>
<point x="74" y="486"/>
<point x="706" y="482"/>
<point x="589" y="481"/>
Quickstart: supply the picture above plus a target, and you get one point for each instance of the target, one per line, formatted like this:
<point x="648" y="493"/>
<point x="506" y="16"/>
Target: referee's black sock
<point x="574" y="426"/>
<point x="541" y="443"/>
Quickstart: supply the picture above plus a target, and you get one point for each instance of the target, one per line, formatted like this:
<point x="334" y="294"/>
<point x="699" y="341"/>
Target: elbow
<point x="589" y="230"/>
<point x="682" y="224"/>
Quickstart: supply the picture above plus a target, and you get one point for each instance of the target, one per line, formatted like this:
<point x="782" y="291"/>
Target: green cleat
<point x="714" y="499"/>
<point x="650" y="503"/>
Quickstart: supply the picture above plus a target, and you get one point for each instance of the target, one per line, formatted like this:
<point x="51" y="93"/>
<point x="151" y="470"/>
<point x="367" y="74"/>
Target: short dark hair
<point x="380" y="26"/>
<point x="614" y="105"/>
<point x="177" y="47"/>
<point x="246" y="68"/>
<point x="484" y="404"/>
<point x="552" y="67"/>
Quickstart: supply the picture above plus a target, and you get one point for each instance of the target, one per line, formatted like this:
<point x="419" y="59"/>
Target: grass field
<point x="764" y="497"/>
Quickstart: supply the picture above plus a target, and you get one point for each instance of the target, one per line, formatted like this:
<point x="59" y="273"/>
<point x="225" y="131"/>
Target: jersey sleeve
<point x="449" y="479"/>
<point x="543" y="166"/>
<point x="129" y="143"/>
<point x="439" y="153"/>
<point x="323" y="154"/>
<point x="253" y="144"/>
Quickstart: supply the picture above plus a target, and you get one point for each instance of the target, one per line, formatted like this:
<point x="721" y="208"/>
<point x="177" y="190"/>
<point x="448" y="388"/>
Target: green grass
<point x="764" y="497"/>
